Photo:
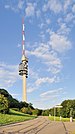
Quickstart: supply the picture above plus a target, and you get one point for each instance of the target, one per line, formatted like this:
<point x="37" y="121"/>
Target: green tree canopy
<point x="4" y="104"/>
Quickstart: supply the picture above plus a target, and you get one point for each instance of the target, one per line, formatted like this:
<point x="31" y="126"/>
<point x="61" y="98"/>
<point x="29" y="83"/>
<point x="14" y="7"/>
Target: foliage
<point x="4" y="104"/>
<point x="13" y="103"/>
<point x="51" y="111"/>
<point x="23" y="104"/>
<point x="67" y="106"/>
<point x="37" y="112"/>
<point x="67" y="110"/>
<point x="4" y="92"/>
<point x="30" y="105"/>
<point x="71" y="112"/>
<point x="26" y="110"/>
<point x="45" y="112"/>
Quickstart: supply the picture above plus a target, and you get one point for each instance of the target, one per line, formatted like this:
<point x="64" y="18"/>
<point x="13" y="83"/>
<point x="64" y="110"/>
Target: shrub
<point x="45" y="112"/>
<point x="37" y="112"/>
<point x="26" y="110"/>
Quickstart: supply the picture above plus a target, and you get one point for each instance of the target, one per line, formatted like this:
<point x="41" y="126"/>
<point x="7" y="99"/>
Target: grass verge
<point x="58" y="119"/>
<point x="13" y="117"/>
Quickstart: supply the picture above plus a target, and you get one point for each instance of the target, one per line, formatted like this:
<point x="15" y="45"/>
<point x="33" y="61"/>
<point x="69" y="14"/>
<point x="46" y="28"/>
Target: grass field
<point x="14" y="116"/>
<point x="58" y="119"/>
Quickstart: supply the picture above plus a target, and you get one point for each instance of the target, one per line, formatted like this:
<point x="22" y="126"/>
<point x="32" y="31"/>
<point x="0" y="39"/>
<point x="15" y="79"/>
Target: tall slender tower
<point x="23" y="66"/>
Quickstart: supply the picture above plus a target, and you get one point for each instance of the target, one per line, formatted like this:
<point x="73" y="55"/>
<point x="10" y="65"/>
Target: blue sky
<point x="49" y="44"/>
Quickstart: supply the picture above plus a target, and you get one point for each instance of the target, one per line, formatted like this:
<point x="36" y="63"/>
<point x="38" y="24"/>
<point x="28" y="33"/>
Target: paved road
<point x="40" y="125"/>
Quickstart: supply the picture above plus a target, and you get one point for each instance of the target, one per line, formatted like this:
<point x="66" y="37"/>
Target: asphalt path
<point x="40" y="125"/>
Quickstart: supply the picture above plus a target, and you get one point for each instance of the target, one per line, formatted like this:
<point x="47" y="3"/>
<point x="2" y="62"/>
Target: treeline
<point x="7" y="102"/>
<point x="67" y="110"/>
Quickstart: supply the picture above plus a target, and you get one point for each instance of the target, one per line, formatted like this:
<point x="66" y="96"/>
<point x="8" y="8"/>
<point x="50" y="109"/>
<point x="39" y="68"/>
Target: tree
<point x="13" y="103"/>
<point x="67" y="106"/>
<point x="46" y="112"/>
<point x="37" y="112"/>
<point x="4" y="104"/>
<point x="4" y="92"/>
<point x="26" y="110"/>
<point x="52" y="111"/>
<point x="23" y="104"/>
<point x="30" y="105"/>
<point x="71" y="112"/>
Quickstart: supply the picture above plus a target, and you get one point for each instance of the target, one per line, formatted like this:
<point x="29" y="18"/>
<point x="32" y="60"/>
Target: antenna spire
<point x="23" y="37"/>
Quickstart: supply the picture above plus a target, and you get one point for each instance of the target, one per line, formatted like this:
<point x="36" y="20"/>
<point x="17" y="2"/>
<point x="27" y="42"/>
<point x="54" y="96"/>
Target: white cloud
<point x="48" y="31"/>
<point x="54" y="70"/>
<point x="38" y="13"/>
<point x="59" y="43"/>
<point x="19" y="45"/>
<point x="51" y="94"/>
<point x="20" y="4"/>
<point x="42" y="36"/>
<point x="8" y="75"/>
<point x="40" y="81"/>
<point x="59" y="21"/>
<point x="48" y="21"/>
<point x="41" y="25"/>
<point x="40" y="50"/>
<point x="48" y="57"/>
<point x="12" y="7"/>
<point x="53" y="5"/>
<point x="45" y="7"/>
<point x="31" y="89"/>
<point x="67" y="3"/>
<point x="69" y="17"/>
<point x="64" y="30"/>
<point x="7" y="6"/>
<point x="48" y="53"/>
<point x="73" y="8"/>
<point x="30" y="10"/>
<point x="49" y="98"/>
<point x="15" y="6"/>
<point x="33" y="74"/>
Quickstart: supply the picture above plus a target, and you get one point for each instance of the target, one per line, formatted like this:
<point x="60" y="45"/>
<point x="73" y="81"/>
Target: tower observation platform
<point x="23" y="67"/>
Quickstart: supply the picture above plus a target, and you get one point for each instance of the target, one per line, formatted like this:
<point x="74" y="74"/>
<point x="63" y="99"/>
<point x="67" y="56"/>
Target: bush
<point x="37" y="112"/>
<point x="26" y="110"/>
<point x="45" y="113"/>
<point x="4" y="104"/>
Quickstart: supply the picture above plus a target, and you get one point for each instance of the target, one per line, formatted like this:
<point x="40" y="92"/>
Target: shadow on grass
<point x="17" y="113"/>
<point x="21" y="114"/>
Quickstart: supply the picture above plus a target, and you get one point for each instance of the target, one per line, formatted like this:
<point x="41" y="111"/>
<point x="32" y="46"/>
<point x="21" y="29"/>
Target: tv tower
<point x="23" y="66"/>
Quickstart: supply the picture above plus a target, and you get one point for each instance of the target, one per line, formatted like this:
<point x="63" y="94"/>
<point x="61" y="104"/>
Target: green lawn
<point x="14" y="116"/>
<point x="58" y="119"/>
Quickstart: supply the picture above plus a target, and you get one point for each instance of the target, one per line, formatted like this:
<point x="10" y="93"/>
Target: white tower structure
<point x="23" y="66"/>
